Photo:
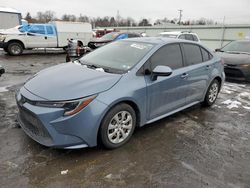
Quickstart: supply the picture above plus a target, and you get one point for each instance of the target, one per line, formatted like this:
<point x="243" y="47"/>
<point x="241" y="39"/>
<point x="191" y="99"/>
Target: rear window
<point x="189" y="37"/>
<point x="192" y="54"/>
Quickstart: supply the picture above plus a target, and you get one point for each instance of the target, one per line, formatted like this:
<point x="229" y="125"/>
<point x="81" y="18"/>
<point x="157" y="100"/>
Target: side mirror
<point x="161" y="70"/>
<point x="217" y="50"/>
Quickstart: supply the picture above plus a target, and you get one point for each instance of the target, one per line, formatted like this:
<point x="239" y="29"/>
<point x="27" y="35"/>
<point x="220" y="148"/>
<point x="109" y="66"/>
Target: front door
<point x="166" y="93"/>
<point x="36" y="37"/>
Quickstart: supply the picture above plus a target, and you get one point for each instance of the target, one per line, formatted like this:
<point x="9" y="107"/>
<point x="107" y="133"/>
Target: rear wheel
<point x="118" y="126"/>
<point x="212" y="93"/>
<point x="15" y="48"/>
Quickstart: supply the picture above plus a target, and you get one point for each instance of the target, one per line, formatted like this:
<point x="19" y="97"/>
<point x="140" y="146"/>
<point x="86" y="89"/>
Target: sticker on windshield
<point x="139" y="46"/>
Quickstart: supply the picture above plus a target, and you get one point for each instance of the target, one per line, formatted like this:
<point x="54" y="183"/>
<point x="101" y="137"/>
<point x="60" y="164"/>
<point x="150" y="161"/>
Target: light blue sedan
<point x="115" y="88"/>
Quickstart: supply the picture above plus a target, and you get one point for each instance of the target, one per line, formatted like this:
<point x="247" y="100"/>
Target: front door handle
<point x="46" y="37"/>
<point x="184" y="75"/>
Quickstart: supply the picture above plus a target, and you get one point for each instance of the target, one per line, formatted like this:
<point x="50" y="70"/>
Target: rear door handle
<point x="46" y="37"/>
<point x="184" y="75"/>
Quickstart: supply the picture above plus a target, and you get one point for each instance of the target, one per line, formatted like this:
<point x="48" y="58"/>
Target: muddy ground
<point x="198" y="147"/>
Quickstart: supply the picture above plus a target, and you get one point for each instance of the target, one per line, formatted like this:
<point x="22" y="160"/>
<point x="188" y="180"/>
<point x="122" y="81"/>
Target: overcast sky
<point x="235" y="11"/>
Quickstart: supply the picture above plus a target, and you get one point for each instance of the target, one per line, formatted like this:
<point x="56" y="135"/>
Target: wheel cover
<point x="120" y="127"/>
<point x="213" y="92"/>
<point x="15" y="49"/>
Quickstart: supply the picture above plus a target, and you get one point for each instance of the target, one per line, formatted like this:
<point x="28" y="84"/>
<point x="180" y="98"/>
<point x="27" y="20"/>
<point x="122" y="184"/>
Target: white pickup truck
<point x="52" y="35"/>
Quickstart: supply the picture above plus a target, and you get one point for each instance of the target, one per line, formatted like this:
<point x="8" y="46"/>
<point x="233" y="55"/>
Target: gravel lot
<point x="198" y="147"/>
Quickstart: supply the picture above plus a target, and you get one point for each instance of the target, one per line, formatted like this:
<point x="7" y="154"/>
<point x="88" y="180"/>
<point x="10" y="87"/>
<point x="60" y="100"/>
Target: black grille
<point x="233" y="73"/>
<point x="31" y="124"/>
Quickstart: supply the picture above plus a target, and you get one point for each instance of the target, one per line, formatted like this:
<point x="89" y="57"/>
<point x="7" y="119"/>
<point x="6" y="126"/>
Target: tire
<point x="15" y="48"/>
<point x="114" y="131"/>
<point x="212" y="93"/>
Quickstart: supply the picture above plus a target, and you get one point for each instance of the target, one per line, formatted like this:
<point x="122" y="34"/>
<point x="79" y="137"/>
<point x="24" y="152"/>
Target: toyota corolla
<point x="115" y="88"/>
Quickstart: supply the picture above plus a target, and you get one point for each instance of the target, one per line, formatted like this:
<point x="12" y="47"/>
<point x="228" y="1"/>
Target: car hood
<point x="234" y="59"/>
<point x="100" y="40"/>
<point x="11" y="31"/>
<point x="70" y="81"/>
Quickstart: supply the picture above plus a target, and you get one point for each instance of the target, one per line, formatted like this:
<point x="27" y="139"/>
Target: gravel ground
<point x="198" y="147"/>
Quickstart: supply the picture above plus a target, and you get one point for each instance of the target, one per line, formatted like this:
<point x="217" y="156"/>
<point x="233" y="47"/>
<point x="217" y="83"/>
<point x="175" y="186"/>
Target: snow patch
<point x="64" y="172"/>
<point x="246" y="107"/>
<point x="3" y="89"/>
<point x="245" y="95"/>
<point x="231" y="104"/>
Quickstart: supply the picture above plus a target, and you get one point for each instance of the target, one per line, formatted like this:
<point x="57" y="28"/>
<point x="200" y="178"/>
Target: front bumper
<point x="3" y="44"/>
<point x="237" y="73"/>
<point x="49" y="127"/>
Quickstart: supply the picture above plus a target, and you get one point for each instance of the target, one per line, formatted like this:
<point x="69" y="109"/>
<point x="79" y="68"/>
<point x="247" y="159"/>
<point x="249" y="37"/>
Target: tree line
<point x="106" y="21"/>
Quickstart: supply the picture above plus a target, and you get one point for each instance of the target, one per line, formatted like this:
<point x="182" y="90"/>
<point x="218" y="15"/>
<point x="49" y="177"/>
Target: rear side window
<point x="49" y="30"/>
<point x="37" y="29"/>
<point x="195" y="38"/>
<point x="206" y="55"/>
<point x="182" y="37"/>
<point x="169" y="55"/>
<point x="192" y="54"/>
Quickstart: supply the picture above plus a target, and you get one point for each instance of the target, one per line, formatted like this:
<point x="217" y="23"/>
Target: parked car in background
<point x="181" y="35"/>
<point x="115" y="88"/>
<point x="113" y="36"/>
<point x="53" y="35"/>
<point x="236" y="56"/>
<point x="100" y="32"/>
<point x="2" y="70"/>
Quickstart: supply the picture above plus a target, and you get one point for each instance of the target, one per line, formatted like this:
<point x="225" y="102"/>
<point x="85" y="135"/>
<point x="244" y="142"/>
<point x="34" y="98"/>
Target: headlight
<point x="70" y="107"/>
<point x="99" y="44"/>
<point x="2" y="38"/>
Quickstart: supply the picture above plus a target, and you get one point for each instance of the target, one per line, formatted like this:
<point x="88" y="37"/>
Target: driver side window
<point x="168" y="55"/>
<point x="39" y="29"/>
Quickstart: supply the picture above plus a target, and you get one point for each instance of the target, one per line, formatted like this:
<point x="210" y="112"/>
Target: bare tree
<point x="83" y="18"/>
<point x="45" y="17"/>
<point x="69" y="17"/>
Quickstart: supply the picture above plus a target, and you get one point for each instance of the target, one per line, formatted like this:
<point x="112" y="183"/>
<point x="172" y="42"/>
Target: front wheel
<point x="117" y="126"/>
<point x="15" y="48"/>
<point x="212" y="93"/>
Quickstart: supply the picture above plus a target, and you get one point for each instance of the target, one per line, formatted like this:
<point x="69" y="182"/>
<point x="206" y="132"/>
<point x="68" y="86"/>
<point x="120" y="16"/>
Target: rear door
<point x="51" y="36"/>
<point x="199" y="67"/>
<point x="166" y="93"/>
<point x="36" y="36"/>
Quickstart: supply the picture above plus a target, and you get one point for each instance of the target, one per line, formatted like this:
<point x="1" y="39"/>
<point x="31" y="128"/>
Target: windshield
<point x="119" y="55"/>
<point x="24" y="28"/>
<point x="237" y="46"/>
<point x="168" y="35"/>
<point x="110" y="36"/>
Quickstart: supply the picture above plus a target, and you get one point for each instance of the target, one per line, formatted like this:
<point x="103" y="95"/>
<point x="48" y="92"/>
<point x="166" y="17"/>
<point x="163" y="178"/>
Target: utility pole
<point x="180" y="16"/>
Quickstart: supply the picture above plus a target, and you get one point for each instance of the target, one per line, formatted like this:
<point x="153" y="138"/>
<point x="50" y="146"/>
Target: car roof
<point x="158" y="40"/>
<point x="176" y="32"/>
<point x="123" y="32"/>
